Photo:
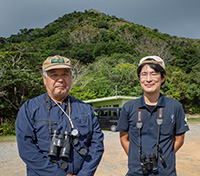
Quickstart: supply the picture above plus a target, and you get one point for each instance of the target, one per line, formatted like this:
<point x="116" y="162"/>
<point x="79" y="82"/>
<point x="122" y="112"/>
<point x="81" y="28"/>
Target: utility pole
<point x="116" y="90"/>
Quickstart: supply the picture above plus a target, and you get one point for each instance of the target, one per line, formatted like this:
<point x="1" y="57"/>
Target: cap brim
<point x="57" y="67"/>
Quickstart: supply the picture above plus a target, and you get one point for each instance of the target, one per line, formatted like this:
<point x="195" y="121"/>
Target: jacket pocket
<point x="82" y="123"/>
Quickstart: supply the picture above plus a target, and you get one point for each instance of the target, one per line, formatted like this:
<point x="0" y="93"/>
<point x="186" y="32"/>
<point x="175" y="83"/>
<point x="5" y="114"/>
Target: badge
<point x="75" y="132"/>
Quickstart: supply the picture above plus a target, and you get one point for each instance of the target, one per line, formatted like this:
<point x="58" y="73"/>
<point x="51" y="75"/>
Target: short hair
<point x="46" y="75"/>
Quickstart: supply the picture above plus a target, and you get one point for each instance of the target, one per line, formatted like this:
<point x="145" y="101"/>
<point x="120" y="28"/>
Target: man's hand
<point x="70" y="175"/>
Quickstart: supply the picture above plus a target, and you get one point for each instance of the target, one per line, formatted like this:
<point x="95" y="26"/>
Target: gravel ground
<point x="114" y="161"/>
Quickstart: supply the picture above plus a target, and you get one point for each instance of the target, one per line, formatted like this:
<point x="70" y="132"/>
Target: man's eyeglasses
<point x="144" y="75"/>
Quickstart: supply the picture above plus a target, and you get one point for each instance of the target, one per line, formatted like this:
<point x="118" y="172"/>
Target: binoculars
<point x="60" y="144"/>
<point x="149" y="165"/>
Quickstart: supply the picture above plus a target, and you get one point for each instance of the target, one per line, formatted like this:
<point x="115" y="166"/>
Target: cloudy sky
<point x="175" y="17"/>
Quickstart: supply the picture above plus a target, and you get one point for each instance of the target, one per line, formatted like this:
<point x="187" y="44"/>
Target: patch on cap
<point x="55" y="62"/>
<point x="152" y="59"/>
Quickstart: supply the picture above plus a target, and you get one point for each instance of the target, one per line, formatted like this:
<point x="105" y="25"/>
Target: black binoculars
<point x="60" y="144"/>
<point x="149" y="165"/>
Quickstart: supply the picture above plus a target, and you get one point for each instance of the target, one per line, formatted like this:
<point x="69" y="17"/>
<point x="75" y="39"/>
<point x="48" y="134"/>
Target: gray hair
<point x="45" y="73"/>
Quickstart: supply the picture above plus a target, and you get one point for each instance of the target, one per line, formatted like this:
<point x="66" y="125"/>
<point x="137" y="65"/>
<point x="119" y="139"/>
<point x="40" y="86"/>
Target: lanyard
<point x="68" y="116"/>
<point x="48" y="106"/>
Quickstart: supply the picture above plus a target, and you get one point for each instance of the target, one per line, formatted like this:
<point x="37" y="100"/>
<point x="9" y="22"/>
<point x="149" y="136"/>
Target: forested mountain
<point x="105" y="51"/>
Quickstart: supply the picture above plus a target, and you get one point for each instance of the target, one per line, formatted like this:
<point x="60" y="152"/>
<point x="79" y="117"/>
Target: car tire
<point x="113" y="128"/>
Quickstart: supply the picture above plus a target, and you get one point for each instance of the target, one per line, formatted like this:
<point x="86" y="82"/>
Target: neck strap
<point x="68" y="116"/>
<point x="48" y="106"/>
<point x="159" y="117"/>
<point x="159" y="123"/>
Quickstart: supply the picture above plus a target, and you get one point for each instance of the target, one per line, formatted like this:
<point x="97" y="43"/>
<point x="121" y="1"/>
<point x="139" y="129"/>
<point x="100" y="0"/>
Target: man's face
<point x="150" y="80"/>
<point x="58" y="83"/>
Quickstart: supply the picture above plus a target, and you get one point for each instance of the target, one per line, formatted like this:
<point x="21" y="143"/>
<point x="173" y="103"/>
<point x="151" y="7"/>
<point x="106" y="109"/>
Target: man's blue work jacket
<point x="174" y="123"/>
<point x="33" y="137"/>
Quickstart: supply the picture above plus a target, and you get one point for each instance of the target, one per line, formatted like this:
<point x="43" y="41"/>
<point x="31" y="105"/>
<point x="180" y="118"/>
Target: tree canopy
<point x="105" y="51"/>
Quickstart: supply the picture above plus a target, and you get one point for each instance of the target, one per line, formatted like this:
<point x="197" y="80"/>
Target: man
<point x="152" y="127"/>
<point x="58" y="135"/>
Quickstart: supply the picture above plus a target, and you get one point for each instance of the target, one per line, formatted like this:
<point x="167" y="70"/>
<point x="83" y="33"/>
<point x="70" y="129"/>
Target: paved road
<point x="114" y="161"/>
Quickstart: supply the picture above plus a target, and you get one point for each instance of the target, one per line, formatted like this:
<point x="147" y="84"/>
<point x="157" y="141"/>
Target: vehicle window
<point x="113" y="113"/>
<point x="108" y="112"/>
<point x="104" y="113"/>
<point x="96" y="113"/>
<point x="119" y="111"/>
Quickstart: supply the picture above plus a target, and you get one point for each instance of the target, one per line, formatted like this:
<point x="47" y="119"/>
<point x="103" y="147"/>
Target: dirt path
<point x="114" y="161"/>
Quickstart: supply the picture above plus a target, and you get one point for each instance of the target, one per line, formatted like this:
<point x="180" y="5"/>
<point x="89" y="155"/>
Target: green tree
<point x="193" y="90"/>
<point x="176" y="82"/>
<point x="20" y="78"/>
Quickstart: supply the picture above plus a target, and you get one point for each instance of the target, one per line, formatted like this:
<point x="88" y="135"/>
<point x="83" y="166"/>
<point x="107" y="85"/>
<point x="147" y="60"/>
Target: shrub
<point x="7" y="128"/>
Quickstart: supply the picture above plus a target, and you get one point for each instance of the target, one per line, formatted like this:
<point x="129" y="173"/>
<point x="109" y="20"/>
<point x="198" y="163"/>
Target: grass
<point x="8" y="138"/>
<point x="193" y="120"/>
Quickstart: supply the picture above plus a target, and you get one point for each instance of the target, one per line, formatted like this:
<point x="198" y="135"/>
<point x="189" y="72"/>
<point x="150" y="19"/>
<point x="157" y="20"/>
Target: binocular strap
<point x="159" y="123"/>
